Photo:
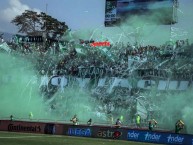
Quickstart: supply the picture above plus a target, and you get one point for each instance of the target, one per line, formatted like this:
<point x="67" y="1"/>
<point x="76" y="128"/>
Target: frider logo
<point x="19" y="127"/>
<point x="132" y="135"/>
<point x="152" y="137"/>
<point x="95" y="44"/>
<point x="175" y="139"/>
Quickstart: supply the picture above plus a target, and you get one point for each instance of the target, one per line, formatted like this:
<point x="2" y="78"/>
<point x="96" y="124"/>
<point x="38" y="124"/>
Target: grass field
<point x="11" y="138"/>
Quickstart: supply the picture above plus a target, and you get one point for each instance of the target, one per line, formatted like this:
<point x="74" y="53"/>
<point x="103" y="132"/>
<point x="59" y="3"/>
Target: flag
<point x="16" y="39"/>
<point x="5" y="47"/>
<point x="130" y="62"/>
<point x="63" y="83"/>
<point x="119" y="82"/>
<point x="177" y="33"/>
<point x="80" y="51"/>
<point x="106" y="52"/>
<point x="135" y="61"/>
<point x="141" y="110"/>
<point x="44" y="81"/>
<point x="170" y="44"/>
<point x="62" y="47"/>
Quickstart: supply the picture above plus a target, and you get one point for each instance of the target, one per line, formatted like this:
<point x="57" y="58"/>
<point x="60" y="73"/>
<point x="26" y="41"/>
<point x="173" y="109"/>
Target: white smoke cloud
<point x="15" y="8"/>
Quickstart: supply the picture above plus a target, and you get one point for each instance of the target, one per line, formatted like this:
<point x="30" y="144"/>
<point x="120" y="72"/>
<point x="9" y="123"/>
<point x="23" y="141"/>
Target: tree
<point x="32" y="23"/>
<point x="53" y="27"/>
<point x="28" y="22"/>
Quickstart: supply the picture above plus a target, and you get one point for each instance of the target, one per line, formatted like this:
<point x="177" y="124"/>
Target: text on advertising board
<point x="152" y="137"/>
<point x="132" y="135"/>
<point x="109" y="134"/>
<point x="143" y="136"/>
<point x="19" y="127"/>
<point x="86" y="132"/>
<point x="176" y="139"/>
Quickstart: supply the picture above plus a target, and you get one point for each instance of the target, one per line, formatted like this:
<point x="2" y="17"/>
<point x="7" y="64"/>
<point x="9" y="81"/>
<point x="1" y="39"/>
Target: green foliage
<point x="32" y="23"/>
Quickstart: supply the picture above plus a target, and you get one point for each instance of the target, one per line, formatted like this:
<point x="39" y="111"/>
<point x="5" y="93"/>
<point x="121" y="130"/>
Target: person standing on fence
<point x="74" y="120"/>
<point x="179" y="126"/>
<point x="30" y="115"/>
<point x="89" y="122"/>
<point x="11" y="117"/>
<point x="138" y="121"/>
<point x="152" y="124"/>
<point x="118" y="123"/>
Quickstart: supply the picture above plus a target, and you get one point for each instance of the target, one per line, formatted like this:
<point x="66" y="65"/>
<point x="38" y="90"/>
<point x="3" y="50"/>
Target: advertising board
<point x="110" y="133"/>
<point x="31" y="127"/>
<point x="20" y="126"/>
<point x="159" y="137"/>
<point x="105" y="132"/>
<point x="76" y="130"/>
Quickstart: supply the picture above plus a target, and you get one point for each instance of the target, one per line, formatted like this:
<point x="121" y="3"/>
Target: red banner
<point x="31" y="127"/>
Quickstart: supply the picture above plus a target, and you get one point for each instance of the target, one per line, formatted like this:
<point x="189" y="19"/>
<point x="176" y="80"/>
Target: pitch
<point x="13" y="138"/>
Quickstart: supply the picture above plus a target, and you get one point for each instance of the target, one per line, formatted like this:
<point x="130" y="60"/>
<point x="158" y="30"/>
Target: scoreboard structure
<point x="155" y="11"/>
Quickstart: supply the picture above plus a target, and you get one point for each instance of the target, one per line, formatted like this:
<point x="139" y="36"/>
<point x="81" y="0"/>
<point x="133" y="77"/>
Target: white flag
<point x="141" y="110"/>
<point x="5" y="47"/>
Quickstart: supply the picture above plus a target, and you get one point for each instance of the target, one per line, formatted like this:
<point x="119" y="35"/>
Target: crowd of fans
<point x="78" y="58"/>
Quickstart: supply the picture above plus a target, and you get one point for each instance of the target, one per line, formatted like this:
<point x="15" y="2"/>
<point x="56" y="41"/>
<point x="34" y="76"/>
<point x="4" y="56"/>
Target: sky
<point x="76" y="13"/>
<point x="86" y="14"/>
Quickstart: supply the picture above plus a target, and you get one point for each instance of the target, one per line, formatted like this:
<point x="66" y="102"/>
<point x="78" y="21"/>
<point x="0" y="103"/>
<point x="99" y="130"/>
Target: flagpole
<point x="46" y="7"/>
<point x="45" y="32"/>
<point x="171" y="21"/>
<point x="46" y="16"/>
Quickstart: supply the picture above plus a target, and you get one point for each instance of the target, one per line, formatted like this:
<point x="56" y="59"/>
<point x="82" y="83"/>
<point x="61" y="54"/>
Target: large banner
<point x="156" y="11"/>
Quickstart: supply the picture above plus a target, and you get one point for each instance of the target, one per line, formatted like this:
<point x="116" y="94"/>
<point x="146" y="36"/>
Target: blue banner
<point x="159" y="137"/>
<point x="78" y="131"/>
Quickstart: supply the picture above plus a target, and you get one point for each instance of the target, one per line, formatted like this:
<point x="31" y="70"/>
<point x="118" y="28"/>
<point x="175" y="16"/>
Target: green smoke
<point x="20" y="95"/>
<point x="177" y="106"/>
<point x="19" y="89"/>
<point x="73" y="101"/>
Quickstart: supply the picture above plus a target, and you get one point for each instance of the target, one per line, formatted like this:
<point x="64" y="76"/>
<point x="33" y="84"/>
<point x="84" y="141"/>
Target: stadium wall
<point x="106" y="132"/>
